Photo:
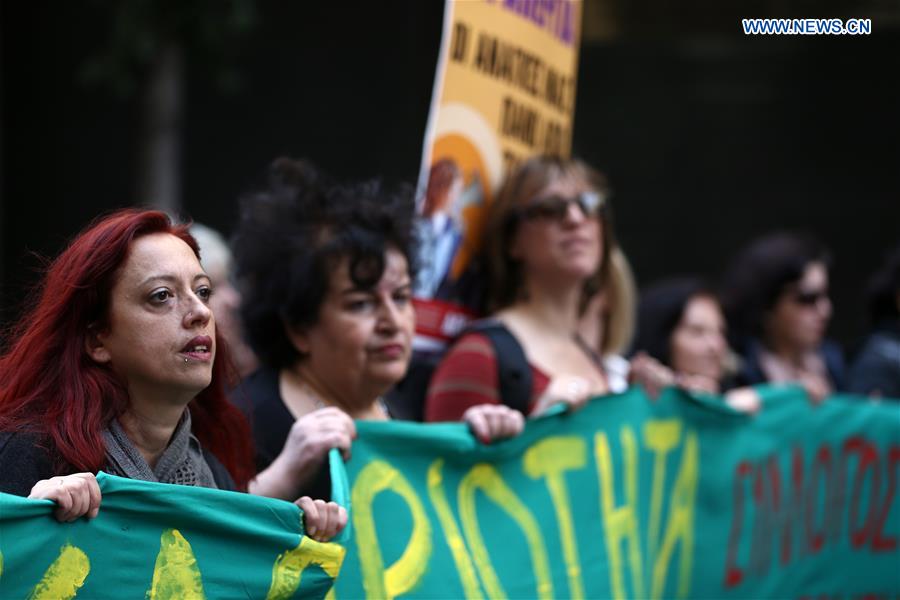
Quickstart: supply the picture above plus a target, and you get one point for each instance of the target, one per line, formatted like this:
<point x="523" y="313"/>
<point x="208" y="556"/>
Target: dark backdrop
<point x="709" y="137"/>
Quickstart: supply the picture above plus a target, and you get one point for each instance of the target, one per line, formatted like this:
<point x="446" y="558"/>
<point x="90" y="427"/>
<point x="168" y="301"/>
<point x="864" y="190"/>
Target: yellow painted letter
<point x="64" y="577"/>
<point x="451" y="532"/>
<point x="486" y="478"/>
<point x="620" y="523"/>
<point x="551" y="458"/>
<point x="176" y="574"/>
<point x="661" y="437"/>
<point x="680" y="525"/>
<point x="289" y="567"/>
<point x="400" y="577"/>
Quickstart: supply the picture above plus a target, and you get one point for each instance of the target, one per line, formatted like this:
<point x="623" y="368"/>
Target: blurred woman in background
<point x="681" y="325"/>
<point x="778" y="306"/>
<point x="682" y="341"/>
<point x="548" y="243"/>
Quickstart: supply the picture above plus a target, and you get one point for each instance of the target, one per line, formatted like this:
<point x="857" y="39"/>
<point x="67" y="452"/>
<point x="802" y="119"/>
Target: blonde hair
<point x="619" y="322"/>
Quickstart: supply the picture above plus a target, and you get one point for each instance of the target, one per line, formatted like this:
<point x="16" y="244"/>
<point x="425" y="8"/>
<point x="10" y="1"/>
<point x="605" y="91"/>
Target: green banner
<point x="627" y="498"/>
<point x="158" y="541"/>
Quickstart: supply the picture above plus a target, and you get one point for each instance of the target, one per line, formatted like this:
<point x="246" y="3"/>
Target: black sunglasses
<point x="810" y="298"/>
<point x="556" y="208"/>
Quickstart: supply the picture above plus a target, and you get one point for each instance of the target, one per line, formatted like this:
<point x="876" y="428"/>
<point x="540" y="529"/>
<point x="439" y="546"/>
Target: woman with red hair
<point x="114" y="368"/>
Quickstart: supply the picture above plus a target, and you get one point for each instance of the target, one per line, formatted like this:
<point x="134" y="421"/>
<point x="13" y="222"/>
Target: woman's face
<point x="698" y="344"/>
<point x="160" y="338"/>
<point x="556" y="238"/>
<point x="360" y="346"/>
<point x="801" y="314"/>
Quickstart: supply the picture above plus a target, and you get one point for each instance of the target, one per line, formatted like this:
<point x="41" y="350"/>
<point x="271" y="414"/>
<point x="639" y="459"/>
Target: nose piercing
<point x="185" y="360"/>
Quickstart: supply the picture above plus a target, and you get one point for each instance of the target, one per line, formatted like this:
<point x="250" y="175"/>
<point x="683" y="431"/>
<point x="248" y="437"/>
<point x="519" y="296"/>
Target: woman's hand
<point x="744" y="399"/>
<point x="651" y="374"/>
<point x="697" y="383"/>
<point x="571" y="390"/>
<point x="816" y="387"/>
<point x="76" y="495"/>
<point x="654" y="376"/>
<point x="494" y="421"/>
<point x="322" y="520"/>
<point x="315" y="433"/>
<point x="304" y="452"/>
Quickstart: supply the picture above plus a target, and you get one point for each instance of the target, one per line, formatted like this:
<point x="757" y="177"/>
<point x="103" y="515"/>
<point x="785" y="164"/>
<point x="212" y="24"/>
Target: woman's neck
<point x="150" y="430"/>
<point x="304" y="392"/>
<point x="553" y="309"/>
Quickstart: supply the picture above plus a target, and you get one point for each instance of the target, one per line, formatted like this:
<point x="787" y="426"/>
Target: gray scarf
<point x="181" y="462"/>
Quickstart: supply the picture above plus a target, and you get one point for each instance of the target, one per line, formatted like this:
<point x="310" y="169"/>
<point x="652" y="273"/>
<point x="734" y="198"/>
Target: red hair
<point x="48" y="383"/>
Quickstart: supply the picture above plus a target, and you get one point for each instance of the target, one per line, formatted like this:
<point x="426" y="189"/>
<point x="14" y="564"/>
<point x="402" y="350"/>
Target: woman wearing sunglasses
<point x="776" y="299"/>
<point x="548" y="240"/>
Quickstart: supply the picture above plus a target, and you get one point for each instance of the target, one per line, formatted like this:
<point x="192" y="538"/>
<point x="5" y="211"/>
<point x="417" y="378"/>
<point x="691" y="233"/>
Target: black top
<point x="260" y="398"/>
<point x="220" y="474"/>
<point x="26" y="458"/>
<point x="751" y="372"/>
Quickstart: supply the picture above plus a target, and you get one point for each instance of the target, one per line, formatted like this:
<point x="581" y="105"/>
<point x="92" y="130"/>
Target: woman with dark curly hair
<point x="776" y="300"/>
<point x="326" y="276"/>
<point x="119" y="366"/>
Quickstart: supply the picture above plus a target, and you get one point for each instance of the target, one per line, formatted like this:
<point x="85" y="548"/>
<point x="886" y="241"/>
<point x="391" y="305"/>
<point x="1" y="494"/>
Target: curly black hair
<point x="293" y="234"/>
